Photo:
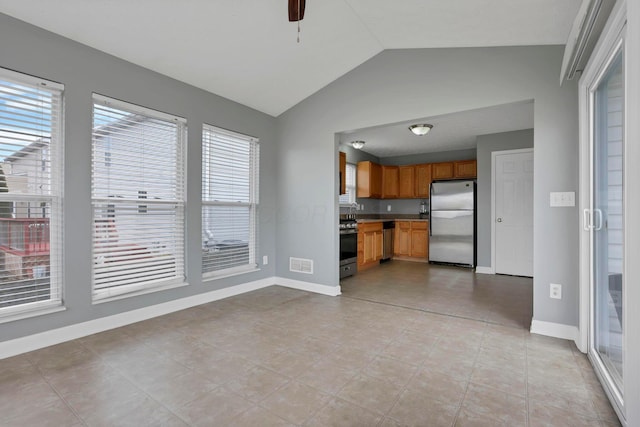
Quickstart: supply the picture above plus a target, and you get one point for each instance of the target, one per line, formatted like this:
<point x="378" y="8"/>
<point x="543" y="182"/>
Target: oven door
<point x="348" y="246"/>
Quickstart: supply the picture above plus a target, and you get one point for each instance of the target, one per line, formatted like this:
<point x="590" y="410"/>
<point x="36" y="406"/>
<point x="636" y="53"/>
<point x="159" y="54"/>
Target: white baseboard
<point x="485" y="270"/>
<point x="67" y="333"/>
<point x="556" y="330"/>
<point x="332" y="291"/>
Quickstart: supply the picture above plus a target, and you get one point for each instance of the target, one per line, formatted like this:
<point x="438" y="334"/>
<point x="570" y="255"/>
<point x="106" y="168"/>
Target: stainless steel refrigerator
<point x="452" y="222"/>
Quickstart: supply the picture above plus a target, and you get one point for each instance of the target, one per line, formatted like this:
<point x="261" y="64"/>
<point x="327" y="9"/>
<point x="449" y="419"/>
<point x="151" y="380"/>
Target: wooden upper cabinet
<point x="423" y="180"/>
<point x="343" y="173"/>
<point x="407" y="179"/>
<point x="369" y="180"/>
<point x="465" y="169"/>
<point x="390" y="182"/>
<point x="442" y="170"/>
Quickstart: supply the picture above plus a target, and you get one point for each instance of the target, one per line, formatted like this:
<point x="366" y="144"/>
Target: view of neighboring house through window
<point x="30" y="188"/>
<point x="229" y="201"/>
<point x="350" y="180"/>
<point x="138" y="198"/>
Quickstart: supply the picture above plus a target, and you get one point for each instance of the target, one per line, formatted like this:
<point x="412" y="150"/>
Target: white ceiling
<point x="246" y="50"/>
<point x="456" y="131"/>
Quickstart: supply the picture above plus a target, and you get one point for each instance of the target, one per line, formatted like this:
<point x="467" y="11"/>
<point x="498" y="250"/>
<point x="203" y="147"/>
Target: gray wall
<point x="84" y="70"/>
<point x="439" y="156"/>
<point x="383" y="90"/>
<point x="487" y="144"/>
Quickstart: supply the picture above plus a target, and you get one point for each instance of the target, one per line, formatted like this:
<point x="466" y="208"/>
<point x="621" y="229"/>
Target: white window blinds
<point x="30" y="188"/>
<point x="229" y="201"/>
<point x="349" y="197"/>
<point x="138" y="198"/>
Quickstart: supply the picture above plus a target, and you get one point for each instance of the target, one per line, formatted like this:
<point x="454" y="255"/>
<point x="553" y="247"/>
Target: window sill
<point x="135" y="293"/>
<point x="230" y="273"/>
<point x="40" y="311"/>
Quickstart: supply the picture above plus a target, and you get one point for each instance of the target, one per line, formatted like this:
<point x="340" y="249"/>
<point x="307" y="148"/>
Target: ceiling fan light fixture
<point x="357" y="144"/>
<point x="420" y="129"/>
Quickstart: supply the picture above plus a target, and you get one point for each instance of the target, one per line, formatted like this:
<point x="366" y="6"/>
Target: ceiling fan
<point x="296" y="10"/>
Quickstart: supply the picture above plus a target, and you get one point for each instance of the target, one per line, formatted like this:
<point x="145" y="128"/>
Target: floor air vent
<point x="301" y="265"/>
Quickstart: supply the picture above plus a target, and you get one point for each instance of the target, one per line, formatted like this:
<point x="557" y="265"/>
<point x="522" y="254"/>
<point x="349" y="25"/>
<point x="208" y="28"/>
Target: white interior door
<point x="513" y="212"/>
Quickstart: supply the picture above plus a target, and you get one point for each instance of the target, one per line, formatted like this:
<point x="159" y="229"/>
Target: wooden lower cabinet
<point x="402" y="241"/>
<point x="370" y="244"/>
<point x="412" y="240"/>
<point x="419" y="240"/>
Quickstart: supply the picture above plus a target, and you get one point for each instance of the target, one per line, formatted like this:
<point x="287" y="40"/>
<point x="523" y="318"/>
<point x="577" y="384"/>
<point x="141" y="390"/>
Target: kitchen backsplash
<point x="398" y="206"/>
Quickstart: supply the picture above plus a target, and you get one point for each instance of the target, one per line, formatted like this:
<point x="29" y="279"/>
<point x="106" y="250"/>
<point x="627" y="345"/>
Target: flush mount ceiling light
<point x="357" y="144"/>
<point x="421" y="129"/>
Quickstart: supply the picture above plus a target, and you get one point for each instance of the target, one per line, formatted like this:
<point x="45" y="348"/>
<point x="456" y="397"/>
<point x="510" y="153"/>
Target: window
<point x="30" y="189"/>
<point x="137" y="198"/>
<point x="350" y="196"/>
<point x="229" y="201"/>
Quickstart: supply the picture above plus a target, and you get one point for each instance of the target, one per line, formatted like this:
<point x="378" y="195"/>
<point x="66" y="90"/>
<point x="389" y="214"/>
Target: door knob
<point x="499" y="220"/>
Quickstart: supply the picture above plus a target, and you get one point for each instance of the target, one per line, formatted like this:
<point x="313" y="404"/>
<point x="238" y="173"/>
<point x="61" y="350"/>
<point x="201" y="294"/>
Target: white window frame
<point x="349" y="198"/>
<point x="54" y="198"/>
<point x="179" y="279"/>
<point x="252" y="204"/>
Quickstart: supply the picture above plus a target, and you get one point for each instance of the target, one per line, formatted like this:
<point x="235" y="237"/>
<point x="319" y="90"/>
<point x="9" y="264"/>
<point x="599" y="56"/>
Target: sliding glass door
<point x="608" y="219"/>
<point x="605" y="218"/>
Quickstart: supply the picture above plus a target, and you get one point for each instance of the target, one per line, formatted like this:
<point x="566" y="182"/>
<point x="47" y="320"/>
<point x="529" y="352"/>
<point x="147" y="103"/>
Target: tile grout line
<point x="466" y="390"/>
<point x="423" y="310"/>
<point x="73" y="411"/>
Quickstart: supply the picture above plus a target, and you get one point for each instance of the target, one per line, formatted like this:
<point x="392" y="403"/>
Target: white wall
<point x="399" y="85"/>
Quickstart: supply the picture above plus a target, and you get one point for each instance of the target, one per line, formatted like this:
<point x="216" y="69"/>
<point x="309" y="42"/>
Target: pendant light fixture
<point x="420" y="129"/>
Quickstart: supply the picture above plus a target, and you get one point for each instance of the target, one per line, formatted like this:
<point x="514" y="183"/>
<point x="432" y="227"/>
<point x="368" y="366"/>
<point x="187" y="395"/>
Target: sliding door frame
<point x="612" y="41"/>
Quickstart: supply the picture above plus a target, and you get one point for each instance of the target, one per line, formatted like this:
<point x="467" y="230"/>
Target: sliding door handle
<point x="598" y="225"/>
<point x="586" y="219"/>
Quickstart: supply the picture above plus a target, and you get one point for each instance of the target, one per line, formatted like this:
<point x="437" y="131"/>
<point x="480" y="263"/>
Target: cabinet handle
<point x="499" y="220"/>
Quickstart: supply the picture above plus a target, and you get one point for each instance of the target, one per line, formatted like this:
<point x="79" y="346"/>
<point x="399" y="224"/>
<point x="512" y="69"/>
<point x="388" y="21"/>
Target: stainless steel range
<point x="348" y="247"/>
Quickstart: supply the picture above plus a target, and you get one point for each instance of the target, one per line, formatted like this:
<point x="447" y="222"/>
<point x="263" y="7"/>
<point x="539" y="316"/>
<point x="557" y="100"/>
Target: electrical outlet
<point x="265" y="260"/>
<point x="555" y="291"/>
<point x="388" y="208"/>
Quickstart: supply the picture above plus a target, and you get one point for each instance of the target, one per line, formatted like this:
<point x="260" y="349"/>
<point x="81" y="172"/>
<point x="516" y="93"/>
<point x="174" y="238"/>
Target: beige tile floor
<point x="281" y="357"/>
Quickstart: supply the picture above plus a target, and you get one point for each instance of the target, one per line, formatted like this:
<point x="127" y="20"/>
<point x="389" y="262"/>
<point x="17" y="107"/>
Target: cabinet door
<point x="369" y="254"/>
<point x="369" y="180"/>
<point x="360" y="249"/>
<point x="343" y="173"/>
<point x="406" y="176"/>
<point x="442" y="170"/>
<point x="403" y="238"/>
<point x="423" y="180"/>
<point x="419" y="242"/>
<point x="390" y="182"/>
<point x="379" y="243"/>
<point x="465" y="169"/>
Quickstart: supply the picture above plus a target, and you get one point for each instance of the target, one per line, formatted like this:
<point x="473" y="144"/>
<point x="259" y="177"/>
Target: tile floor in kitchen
<point x="279" y="357"/>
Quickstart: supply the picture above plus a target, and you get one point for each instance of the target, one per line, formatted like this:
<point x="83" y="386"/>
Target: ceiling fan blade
<point x="293" y="10"/>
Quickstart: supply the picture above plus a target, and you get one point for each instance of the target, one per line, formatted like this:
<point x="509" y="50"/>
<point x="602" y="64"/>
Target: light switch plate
<point x="562" y="199"/>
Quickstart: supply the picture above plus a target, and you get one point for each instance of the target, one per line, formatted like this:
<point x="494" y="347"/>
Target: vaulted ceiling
<point x="246" y="50"/>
